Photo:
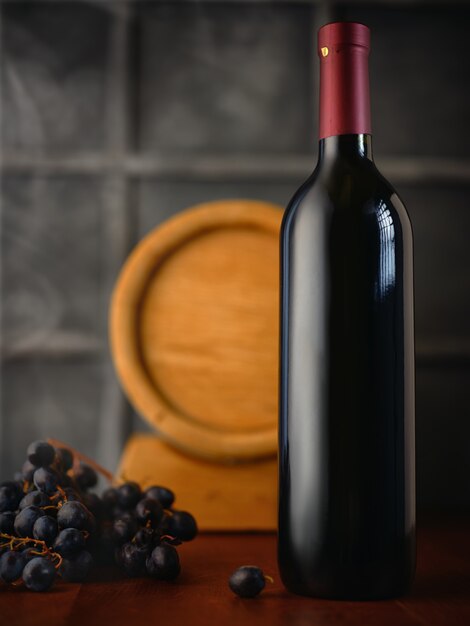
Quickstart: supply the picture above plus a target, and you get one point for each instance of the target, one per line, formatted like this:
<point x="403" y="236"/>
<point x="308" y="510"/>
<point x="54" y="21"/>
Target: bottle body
<point x="346" y="431"/>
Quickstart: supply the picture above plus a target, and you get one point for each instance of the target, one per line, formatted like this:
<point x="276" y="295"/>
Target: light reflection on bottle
<point x="387" y="269"/>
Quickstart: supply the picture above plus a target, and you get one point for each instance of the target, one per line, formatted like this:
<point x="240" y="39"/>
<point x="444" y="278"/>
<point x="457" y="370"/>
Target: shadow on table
<point x="428" y="585"/>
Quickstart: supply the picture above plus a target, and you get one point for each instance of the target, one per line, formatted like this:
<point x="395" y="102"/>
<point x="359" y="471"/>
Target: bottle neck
<point x="345" y="147"/>
<point x="343" y="49"/>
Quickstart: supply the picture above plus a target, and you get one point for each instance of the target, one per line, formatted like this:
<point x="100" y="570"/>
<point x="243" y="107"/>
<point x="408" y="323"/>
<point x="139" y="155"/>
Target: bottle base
<point x="350" y="592"/>
<point x="348" y="597"/>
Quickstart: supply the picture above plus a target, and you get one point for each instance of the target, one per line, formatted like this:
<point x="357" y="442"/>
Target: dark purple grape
<point x="85" y="476"/>
<point x="109" y="498"/>
<point x="74" y="515"/>
<point x="146" y="538"/>
<point x="7" y="520"/>
<point x="106" y="545"/>
<point x="11" y="566"/>
<point x="40" y="453"/>
<point x="118" y="556"/>
<point x="163" y="563"/>
<point x="119" y="513"/>
<point x="66" y="481"/>
<point x="46" y="480"/>
<point x="16" y="485"/>
<point x="247" y="581"/>
<point x="39" y="574"/>
<point x="133" y="559"/>
<point x="45" y="529"/>
<point x="129" y="516"/>
<point x="25" y="520"/>
<point x="64" y="458"/>
<point x="161" y="494"/>
<point x="149" y="511"/>
<point x="181" y="525"/>
<point x="94" y="504"/>
<point x="34" y="498"/>
<point x="10" y="495"/>
<point x="27" y="471"/>
<point x="165" y="523"/>
<point x="69" y="542"/>
<point x="124" y="529"/>
<point x="29" y="553"/>
<point x="76" y="569"/>
<point x="128" y="495"/>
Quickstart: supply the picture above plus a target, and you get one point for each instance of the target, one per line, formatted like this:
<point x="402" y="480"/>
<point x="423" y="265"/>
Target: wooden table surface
<point x="441" y="593"/>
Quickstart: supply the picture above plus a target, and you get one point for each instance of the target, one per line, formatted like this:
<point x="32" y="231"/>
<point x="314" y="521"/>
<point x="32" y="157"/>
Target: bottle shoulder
<point x="355" y="191"/>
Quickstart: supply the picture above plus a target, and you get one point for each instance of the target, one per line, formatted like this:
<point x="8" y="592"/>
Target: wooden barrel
<point x="194" y="329"/>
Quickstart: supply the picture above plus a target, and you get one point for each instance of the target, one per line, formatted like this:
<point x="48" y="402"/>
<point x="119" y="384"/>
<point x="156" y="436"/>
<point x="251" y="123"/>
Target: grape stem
<point x="16" y="542"/>
<point x="50" y="506"/>
<point x="82" y="457"/>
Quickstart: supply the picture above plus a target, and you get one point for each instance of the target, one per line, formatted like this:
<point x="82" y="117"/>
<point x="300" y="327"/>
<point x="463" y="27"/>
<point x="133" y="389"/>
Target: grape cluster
<point x="52" y="525"/>
<point x="45" y="526"/>
<point x="144" y="530"/>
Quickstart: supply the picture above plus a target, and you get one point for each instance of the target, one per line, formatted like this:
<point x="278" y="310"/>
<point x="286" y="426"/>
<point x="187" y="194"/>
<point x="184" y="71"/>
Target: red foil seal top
<point x="343" y="48"/>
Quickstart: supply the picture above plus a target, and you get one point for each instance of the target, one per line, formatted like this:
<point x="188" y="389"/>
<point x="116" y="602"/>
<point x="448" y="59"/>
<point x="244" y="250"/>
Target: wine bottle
<point x="346" y="431"/>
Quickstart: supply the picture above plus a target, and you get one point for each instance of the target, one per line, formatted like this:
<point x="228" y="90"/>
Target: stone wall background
<point x="116" y="115"/>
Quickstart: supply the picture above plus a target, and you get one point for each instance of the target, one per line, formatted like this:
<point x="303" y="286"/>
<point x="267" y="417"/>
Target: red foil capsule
<point x="343" y="48"/>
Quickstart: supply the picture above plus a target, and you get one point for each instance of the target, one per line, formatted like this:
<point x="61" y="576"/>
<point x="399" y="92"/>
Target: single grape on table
<point x="248" y="581"/>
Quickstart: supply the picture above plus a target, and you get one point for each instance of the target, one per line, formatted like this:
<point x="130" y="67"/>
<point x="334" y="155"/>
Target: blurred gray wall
<point x="116" y="116"/>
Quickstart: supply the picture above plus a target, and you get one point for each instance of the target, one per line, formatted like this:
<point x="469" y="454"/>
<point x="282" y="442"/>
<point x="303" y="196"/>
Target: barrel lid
<point x="194" y="329"/>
